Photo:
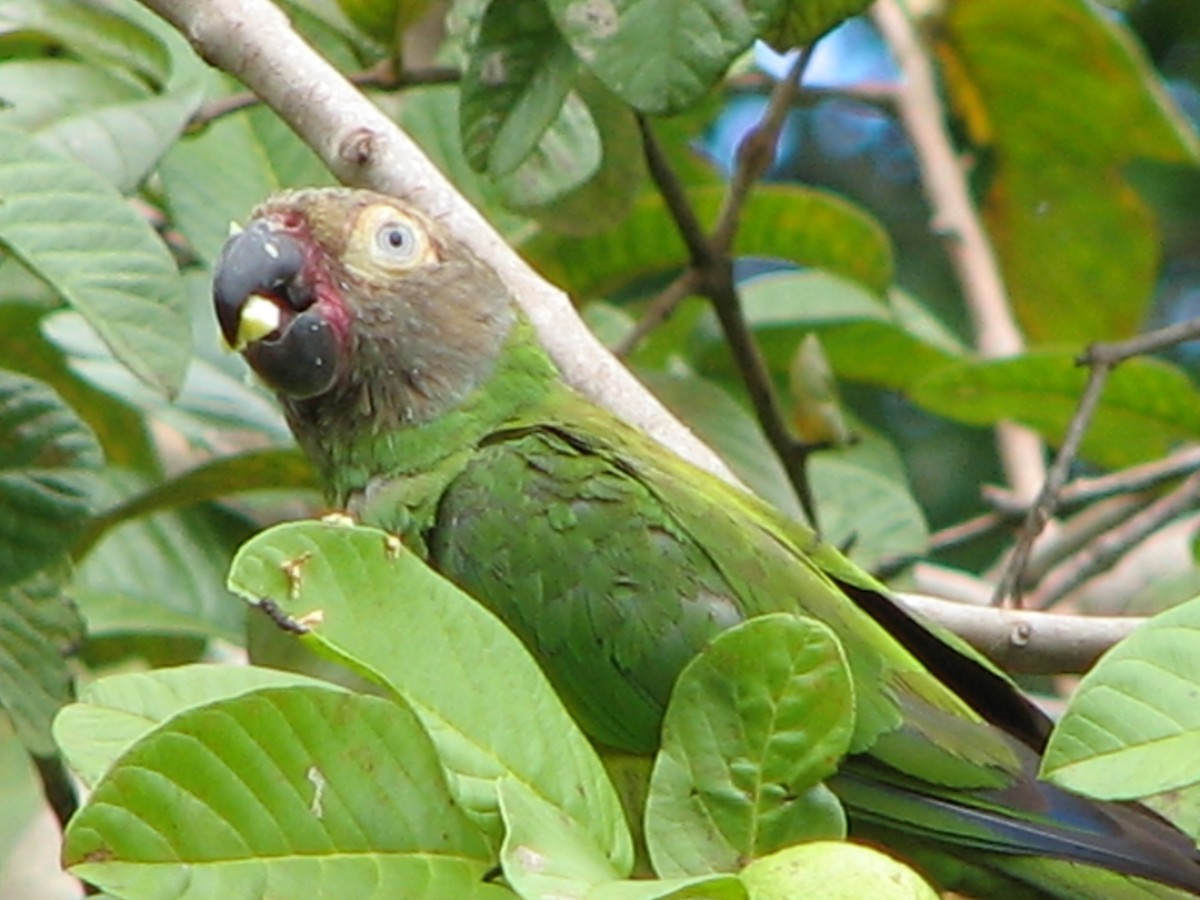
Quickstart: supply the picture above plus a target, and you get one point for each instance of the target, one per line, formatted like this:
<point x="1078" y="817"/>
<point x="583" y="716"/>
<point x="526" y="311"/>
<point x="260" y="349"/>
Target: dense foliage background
<point x="136" y="456"/>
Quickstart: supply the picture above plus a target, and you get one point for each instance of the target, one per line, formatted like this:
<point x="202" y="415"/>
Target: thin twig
<point x="713" y="272"/>
<point x="699" y="249"/>
<point x="381" y="76"/>
<point x="1012" y="582"/>
<point x="657" y="311"/>
<point x="1076" y="533"/>
<point x="1105" y="552"/>
<point x="1102" y="358"/>
<point x="956" y="219"/>
<point x="1082" y="491"/>
<point x="756" y="153"/>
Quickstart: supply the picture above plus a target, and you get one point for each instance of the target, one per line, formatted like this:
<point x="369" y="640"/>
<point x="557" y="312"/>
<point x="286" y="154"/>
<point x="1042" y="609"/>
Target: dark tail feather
<point x="1031" y="819"/>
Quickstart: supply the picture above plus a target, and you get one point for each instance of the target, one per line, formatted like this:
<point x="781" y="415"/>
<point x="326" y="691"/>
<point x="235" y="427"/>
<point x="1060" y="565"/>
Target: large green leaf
<point x="834" y="870"/>
<point x="74" y="230"/>
<point x="38" y="626"/>
<point x="288" y="792"/>
<point x="491" y="712"/>
<point x="753" y="726"/>
<point x="1133" y="725"/>
<point x="46" y="456"/>
<point x="114" y="713"/>
<point x="661" y="56"/>
<point x="518" y="76"/>
<point x="1060" y="98"/>
<point x="1144" y="397"/>
<point x="806" y="226"/>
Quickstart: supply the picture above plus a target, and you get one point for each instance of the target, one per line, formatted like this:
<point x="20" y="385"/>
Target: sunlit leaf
<point x="1145" y="397"/>
<point x="375" y="606"/>
<point x="753" y="726"/>
<point x="114" y="713"/>
<point x="293" y="791"/>
<point x="1133" y="727"/>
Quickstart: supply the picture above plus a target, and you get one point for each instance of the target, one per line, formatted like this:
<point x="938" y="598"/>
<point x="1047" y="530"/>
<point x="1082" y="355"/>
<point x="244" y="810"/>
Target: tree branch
<point x="1033" y="643"/>
<point x="955" y="217"/>
<point x="254" y="41"/>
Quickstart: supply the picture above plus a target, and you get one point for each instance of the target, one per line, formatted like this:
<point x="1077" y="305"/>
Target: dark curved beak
<point x="258" y="261"/>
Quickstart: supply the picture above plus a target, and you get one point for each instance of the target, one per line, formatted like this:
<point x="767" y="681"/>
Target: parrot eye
<point x="396" y="241"/>
<point x="390" y="240"/>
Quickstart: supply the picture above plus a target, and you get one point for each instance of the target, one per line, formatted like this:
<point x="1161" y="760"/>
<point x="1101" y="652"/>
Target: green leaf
<point x="753" y="726"/>
<point x="885" y="343"/>
<point x="208" y="400"/>
<point x="92" y="32"/>
<point x="121" y="432"/>
<point x="163" y="574"/>
<point x="806" y="226"/>
<point x="1145" y="397"/>
<point x="661" y="56"/>
<point x="114" y="713"/>
<point x="1133" y="726"/>
<point x="604" y="200"/>
<point x="38" y="626"/>
<point x="517" y="78"/>
<point x="804" y="21"/>
<point x="76" y="232"/>
<point x="123" y="142"/>
<point x="1060" y="98"/>
<point x="46" y="455"/>
<point x="547" y="855"/>
<point x="254" y="470"/>
<point x="483" y="699"/>
<point x="566" y="157"/>
<point x="289" y="792"/>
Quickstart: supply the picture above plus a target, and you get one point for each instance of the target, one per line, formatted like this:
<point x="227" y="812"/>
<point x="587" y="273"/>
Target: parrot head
<point x="351" y="301"/>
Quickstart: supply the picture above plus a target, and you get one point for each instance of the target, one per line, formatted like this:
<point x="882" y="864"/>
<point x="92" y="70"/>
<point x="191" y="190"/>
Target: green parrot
<point x="413" y="381"/>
